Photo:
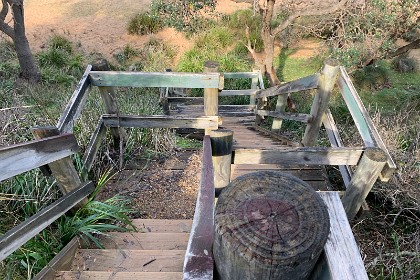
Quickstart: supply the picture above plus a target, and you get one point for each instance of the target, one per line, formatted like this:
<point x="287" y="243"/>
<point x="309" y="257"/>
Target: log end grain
<point x="269" y="225"/>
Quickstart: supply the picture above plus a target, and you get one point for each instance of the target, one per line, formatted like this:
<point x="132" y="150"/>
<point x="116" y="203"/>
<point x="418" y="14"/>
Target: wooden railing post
<point x="329" y="74"/>
<point x="366" y="174"/>
<point x="280" y="107"/>
<point x="63" y="170"/>
<point x="254" y="85"/>
<point x="110" y="102"/>
<point x="211" y="95"/>
<point x="221" y="145"/>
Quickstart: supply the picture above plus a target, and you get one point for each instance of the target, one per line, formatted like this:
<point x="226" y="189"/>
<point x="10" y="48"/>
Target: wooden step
<point x="120" y="275"/>
<point x="128" y="260"/>
<point x="146" y="241"/>
<point x="162" y="225"/>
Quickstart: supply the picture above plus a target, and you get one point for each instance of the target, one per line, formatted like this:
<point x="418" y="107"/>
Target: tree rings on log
<point x="269" y="225"/>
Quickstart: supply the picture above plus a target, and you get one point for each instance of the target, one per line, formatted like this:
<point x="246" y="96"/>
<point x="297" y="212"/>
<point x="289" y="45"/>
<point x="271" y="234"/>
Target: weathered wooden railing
<point x="20" y="158"/>
<point x="199" y="262"/>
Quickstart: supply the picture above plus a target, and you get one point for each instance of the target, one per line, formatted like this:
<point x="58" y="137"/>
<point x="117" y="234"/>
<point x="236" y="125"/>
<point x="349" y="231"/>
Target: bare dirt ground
<point x="98" y="26"/>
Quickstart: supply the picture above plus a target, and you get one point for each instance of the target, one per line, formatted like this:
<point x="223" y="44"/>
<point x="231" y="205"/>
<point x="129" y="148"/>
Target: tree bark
<point x="28" y="69"/>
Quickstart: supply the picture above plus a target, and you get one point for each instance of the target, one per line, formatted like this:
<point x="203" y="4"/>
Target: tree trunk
<point x="28" y="69"/>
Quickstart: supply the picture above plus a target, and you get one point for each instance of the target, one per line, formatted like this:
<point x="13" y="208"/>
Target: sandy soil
<point x="98" y="25"/>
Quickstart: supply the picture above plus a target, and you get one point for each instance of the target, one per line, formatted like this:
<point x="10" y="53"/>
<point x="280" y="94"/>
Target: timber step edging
<point x="120" y="275"/>
<point x="128" y="260"/>
<point x="162" y="225"/>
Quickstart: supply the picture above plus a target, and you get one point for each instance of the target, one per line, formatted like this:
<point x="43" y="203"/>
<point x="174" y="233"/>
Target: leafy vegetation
<point x="144" y="23"/>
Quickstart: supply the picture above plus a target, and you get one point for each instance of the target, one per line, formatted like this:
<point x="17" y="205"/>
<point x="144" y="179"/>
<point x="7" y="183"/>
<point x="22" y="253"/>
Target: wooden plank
<point x="305" y="83"/>
<point x="363" y="121"/>
<point x="120" y="275"/>
<point x="160" y="121"/>
<point x="145" y="241"/>
<point x="238" y="92"/>
<point x="282" y="139"/>
<point x="305" y="118"/>
<point x="162" y="225"/>
<point x="240" y="75"/>
<point x="254" y="85"/>
<point x="23" y="157"/>
<point x="93" y="146"/>
<point x="366" y="174"/>
<point x="335" y="141"/>
<point x="304" y="174"/>
<point x="341" y="251"/>
<point x="19" y="235"/>
<point x="128" y="260"/>
<point x="305" y="156"/>
<point x="187" y="100"/>
<point x="211" y="95"/>
<point x="75" y="106"/>
<point x="62" y="261"/>
<point x="198" y="262"/>
<point x="150" y="79"/>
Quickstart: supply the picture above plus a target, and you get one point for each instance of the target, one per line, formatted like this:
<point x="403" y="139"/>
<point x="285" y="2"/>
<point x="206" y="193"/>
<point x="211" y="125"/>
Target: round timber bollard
<point x="269" y="225"/>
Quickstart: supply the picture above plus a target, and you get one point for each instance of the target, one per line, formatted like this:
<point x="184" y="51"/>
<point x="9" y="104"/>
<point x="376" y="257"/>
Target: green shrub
<point x="127" y="54"/>
<point x="404" y="64"/>
<point x="144" y="23"/>
<point x="61" y="43"/>
<point x="373" y="76"/>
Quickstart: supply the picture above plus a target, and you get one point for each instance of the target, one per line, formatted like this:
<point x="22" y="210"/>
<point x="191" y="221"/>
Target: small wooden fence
<point x="372" y="160"/>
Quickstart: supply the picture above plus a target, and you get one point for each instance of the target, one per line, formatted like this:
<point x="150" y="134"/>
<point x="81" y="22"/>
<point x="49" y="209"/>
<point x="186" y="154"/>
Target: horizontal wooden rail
<point x="187" y="100"/>
<point x="198" y="263"/>
<point x="241" y="75"/>
<point x="19" y="235"/>
<point x="238" y="92"/>
<point x="305" y="156"/>
<point x="335" y="140"/>
<point x="20" y="158"/>
<point x="75" y="105"/>
<point x="161" y="121"/>
<point x="166" y="79"/>
<point x="363" y="121"/>
<point x="305" y="83"/>
<point x="305" y="118"/>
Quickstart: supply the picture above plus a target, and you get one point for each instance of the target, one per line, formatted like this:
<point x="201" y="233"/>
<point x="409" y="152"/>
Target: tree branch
<point x="308" y="12"/>
<point x="7" y="29"/>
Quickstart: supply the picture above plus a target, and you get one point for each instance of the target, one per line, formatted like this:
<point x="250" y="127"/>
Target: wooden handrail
<point x="23" y="157"/>
<point x="19" y="235"/>
<point x="305" y="83"/>
<point x="198" y="263"/>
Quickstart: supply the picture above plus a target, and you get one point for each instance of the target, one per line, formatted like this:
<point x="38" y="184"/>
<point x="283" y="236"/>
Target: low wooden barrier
<point x="20" y="158"/>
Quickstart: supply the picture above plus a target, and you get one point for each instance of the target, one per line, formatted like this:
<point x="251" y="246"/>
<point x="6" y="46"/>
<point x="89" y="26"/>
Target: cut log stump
<point x="269" y="225"/>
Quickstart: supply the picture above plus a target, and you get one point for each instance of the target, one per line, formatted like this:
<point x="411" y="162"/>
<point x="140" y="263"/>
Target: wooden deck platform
<point x="246" y="135"/>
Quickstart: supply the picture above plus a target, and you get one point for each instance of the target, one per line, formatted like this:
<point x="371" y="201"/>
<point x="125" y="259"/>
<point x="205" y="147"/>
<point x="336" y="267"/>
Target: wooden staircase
<point x="156" y="251"/>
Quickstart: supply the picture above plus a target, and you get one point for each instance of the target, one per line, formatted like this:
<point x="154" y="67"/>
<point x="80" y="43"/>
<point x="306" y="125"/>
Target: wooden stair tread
<point x="162" y="225"/>
<point x="128" y="260"/>
<point x="146" y="241"/>
<point x="120" y="275"/>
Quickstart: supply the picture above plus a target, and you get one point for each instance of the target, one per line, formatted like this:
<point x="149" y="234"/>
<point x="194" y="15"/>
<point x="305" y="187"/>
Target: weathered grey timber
<point x="156" y="121"/>
<point x="198" y="262"/>
<point x="143" y="79"/>
<point x="363" y="121"/>
<point x="307" y="156"/>
<point x="268" y="225"/>
<point x="76" y="104"/>
<point x="254" y="85"/>
<point x="211" y="95"/>
<point x="327" y="80"/>
<point x="93" y="147"/>
<point x="63" y="169"/>
<point x="19" y="235"/>
<point x="20" y="158"/>
<point x="305" y="83"/>
<point x="111" y="106"/>
<point x="241" y="75"/>
<point x="305" y="118"/>
<point x="238" y="92"/>
<point x="341" y="253"/>
<point x="335" y="141"/>
<point x="367" y="172"/>
<point x="221" y="146"/>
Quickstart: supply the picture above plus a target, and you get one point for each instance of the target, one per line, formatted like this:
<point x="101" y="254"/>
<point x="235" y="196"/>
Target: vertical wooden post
<point x="221" y="146"/>
<point x="254" y="85"/>
<point x="368" y="170"/>
<point x="280" y="107"/>
<point x="211" y="95"/>
<point x="63" y="170"/>
<point x="329" y="74"/>
<point x="110" y="102"/>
